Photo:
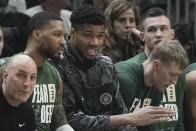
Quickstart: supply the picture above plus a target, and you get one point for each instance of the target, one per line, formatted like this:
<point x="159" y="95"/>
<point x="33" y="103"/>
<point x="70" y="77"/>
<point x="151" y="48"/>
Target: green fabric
<point x="44" y="96"/>
<point x="190" y="68"/>
<point x="140" y="58"/>
<point x="187" y="118"/>
<point x="176" y="123"/>
<point x="133" y="90"/>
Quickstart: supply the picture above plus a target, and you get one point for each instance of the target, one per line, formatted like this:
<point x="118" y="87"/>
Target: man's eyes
<point x="20" y="75"/>
<point x="33" y="77"/>
<point x="152" y="30"/>
<point x="24" y="76"/>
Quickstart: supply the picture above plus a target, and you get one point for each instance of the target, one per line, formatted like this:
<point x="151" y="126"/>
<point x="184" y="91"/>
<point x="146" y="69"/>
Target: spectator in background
<point x="59" y="7"/>
<point x="13" y="44"/>
<point x="102" y="4"/>
<point x="4" y="7"/>
<point x="121" y="19"/>
<point x="19" y="78"/>
<point x="184" y="34"/>
<point x="156" y="27"/>
<point x="31" y="3"/>
<point x="19" y="5"/>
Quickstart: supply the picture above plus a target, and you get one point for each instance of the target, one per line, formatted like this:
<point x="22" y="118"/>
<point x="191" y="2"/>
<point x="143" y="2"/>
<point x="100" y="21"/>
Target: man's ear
<point x="5" y="75"/>
<point x="36" y="34"/>
<point x="156" y="64"/>
<point x="141" y="36"/>
<point x="172" y="33"/>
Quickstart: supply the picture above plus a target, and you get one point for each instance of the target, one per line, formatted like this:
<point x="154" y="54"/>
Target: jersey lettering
<point x="171" y="93"/>
<point x="46" y="111"/>
<point x="169" y="101"/>
<point x="174" y="108"/>
<point x="44" y="95"/>
<point x="137" y="103"/>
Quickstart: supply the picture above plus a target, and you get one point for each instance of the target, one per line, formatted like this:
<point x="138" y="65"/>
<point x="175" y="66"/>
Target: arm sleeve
<point x="59" y="117"/>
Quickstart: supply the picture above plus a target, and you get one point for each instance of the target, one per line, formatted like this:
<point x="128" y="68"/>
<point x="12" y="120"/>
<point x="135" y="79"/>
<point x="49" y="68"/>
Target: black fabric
<point x="86" y="83"/>
<point x="15" y="39"/>
<point x="19" y="118"/>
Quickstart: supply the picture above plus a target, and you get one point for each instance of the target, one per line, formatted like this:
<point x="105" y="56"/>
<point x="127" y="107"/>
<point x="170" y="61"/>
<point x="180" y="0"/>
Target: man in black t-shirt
<point x="19" y="78"/>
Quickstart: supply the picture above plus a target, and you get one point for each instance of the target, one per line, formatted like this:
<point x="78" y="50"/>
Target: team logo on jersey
<point x="105" y="98"/>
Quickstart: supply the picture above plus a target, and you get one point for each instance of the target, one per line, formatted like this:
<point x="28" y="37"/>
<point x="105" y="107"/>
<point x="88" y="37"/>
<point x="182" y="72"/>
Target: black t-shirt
<point x="19" y="118"/>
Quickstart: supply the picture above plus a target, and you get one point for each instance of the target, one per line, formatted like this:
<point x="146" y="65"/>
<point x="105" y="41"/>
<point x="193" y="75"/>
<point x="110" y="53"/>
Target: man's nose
<point x="158" y="33"/>
<point x="95" y="41"/>
<point x="63" y="41"/>
<point x="174" y="81"/>
<point x="27" y="82"/>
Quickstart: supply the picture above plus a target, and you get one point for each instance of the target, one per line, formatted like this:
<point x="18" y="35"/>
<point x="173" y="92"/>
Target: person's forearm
<point x="144" y="116"/>
<point x="82" y="122"/>
<point x="120" y="120"/>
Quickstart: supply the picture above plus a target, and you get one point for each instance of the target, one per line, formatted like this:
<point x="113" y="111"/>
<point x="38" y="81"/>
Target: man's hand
<point x="150" y="115"/>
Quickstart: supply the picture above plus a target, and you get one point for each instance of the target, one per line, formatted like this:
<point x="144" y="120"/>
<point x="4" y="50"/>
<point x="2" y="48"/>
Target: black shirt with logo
<point x="91" y="91"/>
<point x="19" y="118"/>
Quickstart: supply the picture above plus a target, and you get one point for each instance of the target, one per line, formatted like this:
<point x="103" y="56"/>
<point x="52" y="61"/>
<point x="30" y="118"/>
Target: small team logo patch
<point x="105" y="98"/>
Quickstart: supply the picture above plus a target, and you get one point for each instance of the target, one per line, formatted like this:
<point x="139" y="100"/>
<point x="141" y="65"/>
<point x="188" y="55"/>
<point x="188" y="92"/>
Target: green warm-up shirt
<point x="172" y="96"/>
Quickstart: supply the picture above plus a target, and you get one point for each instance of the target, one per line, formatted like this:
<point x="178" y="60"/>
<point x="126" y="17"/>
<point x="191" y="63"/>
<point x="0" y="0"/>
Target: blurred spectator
<point x="57" y="6"/>
<point x="31" y="3"/>
<point x="16" y="20"/>
<point x="18" y="5"/>
<point x="4" y="7"/>
<point x="102" y="4"/>
<point x="121" y="19"/>
<point x="184" y="34"/>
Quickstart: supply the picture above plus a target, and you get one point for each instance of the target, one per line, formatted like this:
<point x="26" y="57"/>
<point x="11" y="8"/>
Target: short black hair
<point x="41" y="19"/>
<point x="153" y="12"/>
<point x="87" y="14"/>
